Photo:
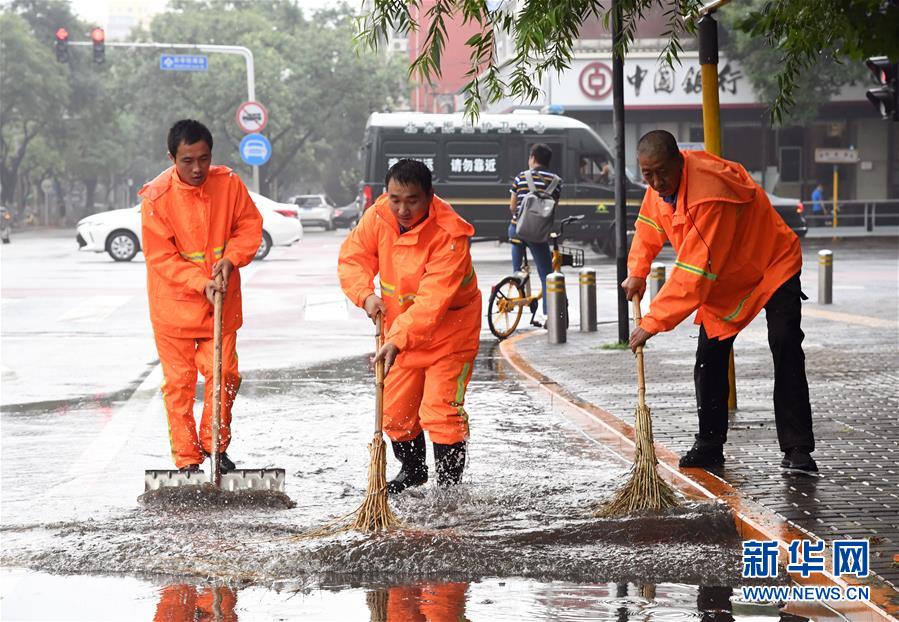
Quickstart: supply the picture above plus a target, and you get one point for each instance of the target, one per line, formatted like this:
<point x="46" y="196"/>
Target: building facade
<point x="661" y="97"/>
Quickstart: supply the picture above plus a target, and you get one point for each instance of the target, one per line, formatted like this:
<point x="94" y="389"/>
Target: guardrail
<point x="868" y="214"/>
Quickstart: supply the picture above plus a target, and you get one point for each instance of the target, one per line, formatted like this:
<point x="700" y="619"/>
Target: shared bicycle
<point x="512" y="294"/>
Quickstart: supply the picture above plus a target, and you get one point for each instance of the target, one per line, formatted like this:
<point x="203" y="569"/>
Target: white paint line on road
<point x="326" y="308"/>
<point x="94" y="309"/>
<point x="96" y="461"/>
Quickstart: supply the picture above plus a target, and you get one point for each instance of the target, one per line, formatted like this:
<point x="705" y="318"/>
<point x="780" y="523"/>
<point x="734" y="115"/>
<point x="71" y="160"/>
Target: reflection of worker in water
<point x="428" y="602"/>
<point x="185" y="603"/>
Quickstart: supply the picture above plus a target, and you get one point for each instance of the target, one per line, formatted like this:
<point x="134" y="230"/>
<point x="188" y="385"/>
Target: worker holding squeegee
<point x="199" y="227"/>
<point x="431" y="304"/>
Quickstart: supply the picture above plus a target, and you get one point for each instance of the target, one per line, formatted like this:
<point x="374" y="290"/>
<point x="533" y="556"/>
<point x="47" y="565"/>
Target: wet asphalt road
<point x="82" y="417"/>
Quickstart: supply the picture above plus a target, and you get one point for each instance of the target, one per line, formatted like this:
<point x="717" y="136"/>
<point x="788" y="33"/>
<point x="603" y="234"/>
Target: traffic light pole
<point x="210" y="49"/>
<point x="711" y="126"/>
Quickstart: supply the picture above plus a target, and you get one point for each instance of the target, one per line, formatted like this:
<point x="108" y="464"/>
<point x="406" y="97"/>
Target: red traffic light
<point x="62" y="34"/>
<point x="97" y="35"/>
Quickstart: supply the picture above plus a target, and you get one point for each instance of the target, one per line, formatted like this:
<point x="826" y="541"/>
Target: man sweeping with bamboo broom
<point x="735" y="256"/>
<point x="431" y="305"/>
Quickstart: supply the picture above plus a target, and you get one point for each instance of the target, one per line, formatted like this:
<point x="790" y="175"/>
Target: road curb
<point x="753" y="521"/>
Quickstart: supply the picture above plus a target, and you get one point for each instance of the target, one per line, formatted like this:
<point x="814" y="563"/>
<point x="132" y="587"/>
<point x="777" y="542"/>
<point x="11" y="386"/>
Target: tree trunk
<point x="8" y="179"/>
<point x="90" y="187"/>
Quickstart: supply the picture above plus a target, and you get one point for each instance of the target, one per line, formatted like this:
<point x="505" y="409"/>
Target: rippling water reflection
<point x="488" y="600"/>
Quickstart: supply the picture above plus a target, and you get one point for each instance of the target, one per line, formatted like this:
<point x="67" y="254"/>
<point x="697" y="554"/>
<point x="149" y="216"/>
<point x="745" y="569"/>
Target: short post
<point x="869" y="218"/>
<point x="656" y="278"/>
<point x="587" y="281"/>
<point x="825" y="277"/>
<point x="556" y="308"/>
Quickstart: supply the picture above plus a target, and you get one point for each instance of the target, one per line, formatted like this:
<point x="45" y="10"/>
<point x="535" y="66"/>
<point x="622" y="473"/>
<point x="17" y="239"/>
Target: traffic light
<point x="62" y="45"/>
<point x="884" y="97"/>
<point x="99" y="39"/>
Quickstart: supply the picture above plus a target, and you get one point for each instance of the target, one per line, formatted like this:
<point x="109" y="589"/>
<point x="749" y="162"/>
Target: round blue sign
<point x="255" y="149"/>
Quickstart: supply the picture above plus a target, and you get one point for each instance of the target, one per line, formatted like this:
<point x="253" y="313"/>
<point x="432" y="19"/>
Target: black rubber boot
<point x="704" y="454"/>
<point x="414" y="470"/>
<point x="226" y="464"/>
<point x="450" y="462"/>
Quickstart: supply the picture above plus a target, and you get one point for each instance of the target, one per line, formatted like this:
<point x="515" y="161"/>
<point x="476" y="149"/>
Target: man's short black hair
<point x="542" y="154"/>
<point x="658" y="142"/>
<point x="188" y="131"/>
<point x="407" y="172"/>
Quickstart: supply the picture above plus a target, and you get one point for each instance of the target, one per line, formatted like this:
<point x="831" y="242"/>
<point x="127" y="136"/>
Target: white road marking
<point x="326" y="307"/>
<point x="94" y="309"/>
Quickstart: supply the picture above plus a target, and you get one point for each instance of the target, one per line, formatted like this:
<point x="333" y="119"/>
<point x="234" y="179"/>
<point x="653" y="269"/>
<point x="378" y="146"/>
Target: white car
<point x="118" y="231"/>
<point x="316" y="210"/>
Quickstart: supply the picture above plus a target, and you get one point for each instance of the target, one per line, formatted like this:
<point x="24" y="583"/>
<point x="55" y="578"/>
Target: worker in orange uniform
<point x="185" y="603"/>
<point x="735" y="256"/>
<point x="432" y="312"/>
<point x="198" y="222"/>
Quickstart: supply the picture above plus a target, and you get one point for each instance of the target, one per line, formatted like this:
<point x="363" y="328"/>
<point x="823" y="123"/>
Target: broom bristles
<point x="375" y="514"/>
<point x="645" y="490"/>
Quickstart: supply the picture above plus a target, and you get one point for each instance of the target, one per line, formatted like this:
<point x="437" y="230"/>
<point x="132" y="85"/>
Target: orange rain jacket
<point x="733" y="249"/>
<point x="430" y="291"/>
<point x="186" y="229"/>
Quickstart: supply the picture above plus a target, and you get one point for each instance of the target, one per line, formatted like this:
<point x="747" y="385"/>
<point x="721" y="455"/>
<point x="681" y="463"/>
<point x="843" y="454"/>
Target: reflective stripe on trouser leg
<point x="443" y="412"/>
<point x="230" y="386"/>
<point x="179" y="386"/>
<point x="403" y="390"/>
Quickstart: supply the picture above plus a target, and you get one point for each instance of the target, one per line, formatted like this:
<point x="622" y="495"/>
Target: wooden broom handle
<point x="216" y="474"/>
<point x="641" y="376"/>
<point x="379" y="374"/>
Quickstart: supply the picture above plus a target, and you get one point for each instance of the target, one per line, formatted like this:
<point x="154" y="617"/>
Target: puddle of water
<point x="523" y="513"/>
<point x="102" y="598"/>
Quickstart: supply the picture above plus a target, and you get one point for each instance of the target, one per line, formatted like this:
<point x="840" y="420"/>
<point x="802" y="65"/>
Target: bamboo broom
<point x="645" y="490"/>
<point x="375" y="514"/>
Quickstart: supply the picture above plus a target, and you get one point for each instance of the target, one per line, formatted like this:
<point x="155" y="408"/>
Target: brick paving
<point x="853" y="372"/>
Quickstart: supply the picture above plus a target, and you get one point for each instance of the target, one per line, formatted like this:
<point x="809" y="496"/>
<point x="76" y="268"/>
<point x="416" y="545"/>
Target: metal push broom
<point x="375" y="514"/>
<point x="645" y="490"/>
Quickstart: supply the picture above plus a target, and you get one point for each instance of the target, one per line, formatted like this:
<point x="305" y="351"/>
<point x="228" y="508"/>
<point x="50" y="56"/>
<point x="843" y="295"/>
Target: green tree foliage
<point x="317" y="89"/>
<point x="35" y="93"/>
<point x="803" y="32"/>
<point x="823" y="78"/>
<point x="92" y="127"/>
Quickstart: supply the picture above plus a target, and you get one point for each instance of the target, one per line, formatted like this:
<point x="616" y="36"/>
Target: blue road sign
<point x="183" y="62"/>
<point x="255" y="149"/>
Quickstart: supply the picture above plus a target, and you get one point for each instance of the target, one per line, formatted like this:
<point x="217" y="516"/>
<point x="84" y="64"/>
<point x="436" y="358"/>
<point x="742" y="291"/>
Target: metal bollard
<point x="656" y="279"/>
<point x="825" y="277"/>
<point x="556" y="303"/>
<point x="587" y="281"/>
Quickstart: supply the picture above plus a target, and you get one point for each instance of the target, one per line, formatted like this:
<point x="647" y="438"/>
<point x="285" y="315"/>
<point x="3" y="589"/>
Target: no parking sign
<point x="252" y="117"/>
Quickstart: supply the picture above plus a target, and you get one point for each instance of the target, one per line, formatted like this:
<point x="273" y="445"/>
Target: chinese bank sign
<point x="650" y="83"/>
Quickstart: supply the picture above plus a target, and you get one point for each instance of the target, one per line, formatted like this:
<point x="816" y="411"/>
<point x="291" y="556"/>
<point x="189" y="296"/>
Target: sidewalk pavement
<point x="852" y="232"/>
<point x="853" y="371"/>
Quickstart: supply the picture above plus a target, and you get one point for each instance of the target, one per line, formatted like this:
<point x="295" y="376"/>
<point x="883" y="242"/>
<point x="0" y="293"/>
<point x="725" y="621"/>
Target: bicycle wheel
<point x="503" y="314"/>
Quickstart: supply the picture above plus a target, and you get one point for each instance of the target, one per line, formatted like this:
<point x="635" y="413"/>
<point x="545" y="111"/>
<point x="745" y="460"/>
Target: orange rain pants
<point x="181" y="358"/>
<point x="433" y="314"/>
<point x="430" y="602"/>
<point x="184" y="603"/>
<point x="432" y="398"/>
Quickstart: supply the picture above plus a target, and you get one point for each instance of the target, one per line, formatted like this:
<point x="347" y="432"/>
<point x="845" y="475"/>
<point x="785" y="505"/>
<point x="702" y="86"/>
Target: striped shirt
<point x="542" y="179"/>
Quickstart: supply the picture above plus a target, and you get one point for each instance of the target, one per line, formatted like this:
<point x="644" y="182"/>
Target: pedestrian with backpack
<point x="535" y="196"/>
